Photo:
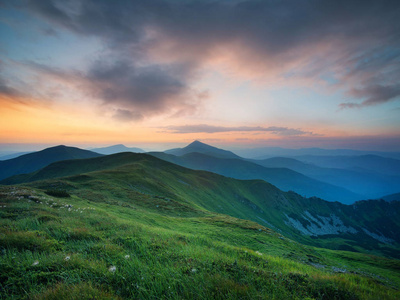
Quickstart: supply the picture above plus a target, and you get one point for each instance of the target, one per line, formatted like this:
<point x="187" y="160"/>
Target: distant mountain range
<point x="335" y="178"/>
<point x="364" y="226"/>
<point x="371" y="163"/>
<point x="358" y="177"/>
<point x="283" y="178"/>
<point x="13" y="155"/>
<point x="200" y="147"/>
<point x="34" y="161"/>
<point x="116" y="149"/>
<point x="268" y="152"/>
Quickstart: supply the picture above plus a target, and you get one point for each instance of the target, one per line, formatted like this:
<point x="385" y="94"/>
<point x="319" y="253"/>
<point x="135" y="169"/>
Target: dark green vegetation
<point x="284" y="178"/>
<point x="138" y="227"/>
<point x="374" y="222"/>
<point x="346" y="178"/>
<point x="34" y="161"/>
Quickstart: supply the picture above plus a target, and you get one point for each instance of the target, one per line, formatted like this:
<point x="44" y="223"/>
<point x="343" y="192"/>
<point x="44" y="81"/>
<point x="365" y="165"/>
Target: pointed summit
<point x="199" y="147"/>
<point x="196" y="142"/>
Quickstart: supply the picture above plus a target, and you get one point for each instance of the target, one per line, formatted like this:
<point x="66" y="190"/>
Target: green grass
<point x="150" y="241"/>
<point x="143" y="181"/>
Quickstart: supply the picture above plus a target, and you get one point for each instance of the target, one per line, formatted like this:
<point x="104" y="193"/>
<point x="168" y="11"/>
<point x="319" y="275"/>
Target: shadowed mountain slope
<point x="284" y="178"/>
<point x="13" y="155"/>
<point x="371" y="163"/>
<point x="392" y="197"/>
<point x="269" y="152"/>
<point x="34" y="161"/>
<point x="199" y="147"/>
<point x="116" y="149"/>
<point x="371" y="226"/>
<point x="364" y="182"/>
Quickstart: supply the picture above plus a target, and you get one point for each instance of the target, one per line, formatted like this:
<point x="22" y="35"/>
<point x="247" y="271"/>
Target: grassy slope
<point x="156" y="213"/>
<point x="174" y="251"/>
<point x="283" y="178"/>
<point x="254" y="200"/>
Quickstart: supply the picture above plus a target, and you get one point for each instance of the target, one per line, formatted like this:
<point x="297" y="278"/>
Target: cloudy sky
<point x="293" y="73"/>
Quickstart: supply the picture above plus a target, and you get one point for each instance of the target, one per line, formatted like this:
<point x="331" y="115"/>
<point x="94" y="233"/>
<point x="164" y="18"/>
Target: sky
<point x="157" y="73"/>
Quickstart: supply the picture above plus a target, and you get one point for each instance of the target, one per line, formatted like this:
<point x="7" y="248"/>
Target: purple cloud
<point x="204" y="128"/>
<point x="355" y="40"/>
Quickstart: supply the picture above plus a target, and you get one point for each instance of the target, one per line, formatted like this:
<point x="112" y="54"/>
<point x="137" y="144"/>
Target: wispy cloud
<point x="374" y="94"/>
<point x="124" y="85"/>
<point x="356" y="41"/>
<point x="127" y="115"/>
<point x="204" y="128"/>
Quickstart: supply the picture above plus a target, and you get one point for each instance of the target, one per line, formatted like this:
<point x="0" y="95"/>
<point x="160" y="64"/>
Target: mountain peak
<point x="199" y="147"/>
<point x="198" y="144"/>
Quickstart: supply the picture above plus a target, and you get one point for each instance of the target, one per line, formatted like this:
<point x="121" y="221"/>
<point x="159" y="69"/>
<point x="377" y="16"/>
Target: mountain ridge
<point x="36" y="160"/>
<point x="116" y="149"/>
<point x="364" y="182"/>
<point x="349" y="227"/>
<point x="200" y="147"/>
<point x="283" y="178"/>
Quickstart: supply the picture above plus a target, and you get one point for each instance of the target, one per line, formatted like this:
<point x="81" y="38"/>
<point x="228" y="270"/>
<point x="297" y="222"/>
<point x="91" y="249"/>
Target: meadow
<point x="73" y="245"/>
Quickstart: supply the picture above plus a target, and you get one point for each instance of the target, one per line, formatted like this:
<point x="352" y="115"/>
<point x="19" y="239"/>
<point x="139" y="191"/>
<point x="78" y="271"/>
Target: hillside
<point x="392" y="197"/>
<point x="34" y="161"/>
<point x="199" y="147"/>
<point x="363" y="182"/>
<point x="299" y="218"/>
<point x="284" y="178"/>
<point x="116" y="149"/>
<point x="269" y="152"/>
<point x="372" y="163"/>
<point x="13" y="155"/>
<point x="149" y="229"/>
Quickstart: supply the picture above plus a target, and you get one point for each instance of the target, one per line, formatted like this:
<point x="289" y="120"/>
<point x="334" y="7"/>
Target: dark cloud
<point x="147" y="90"/>
<point x="49" y="32"/>
<point x="127" y="115"/>
<point x="204" y="128"/>
<point x="6" y="89"/>
<point x="298" y="39"/>
<point x="151" y="88"/>
<point x="375" y="94"/>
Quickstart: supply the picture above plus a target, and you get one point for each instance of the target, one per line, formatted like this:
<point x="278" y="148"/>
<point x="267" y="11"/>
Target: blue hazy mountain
<point x="199" y="147"/>
<point x="116" y="149"/>
<point x="36" y="160"/>
<point x="283" y="178"/>
<point x="268" y="152"/>
<point x="370" y="176"/>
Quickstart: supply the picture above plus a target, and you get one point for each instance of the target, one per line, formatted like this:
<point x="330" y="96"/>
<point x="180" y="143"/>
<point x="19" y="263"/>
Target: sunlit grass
<point x="124" y="250"/>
